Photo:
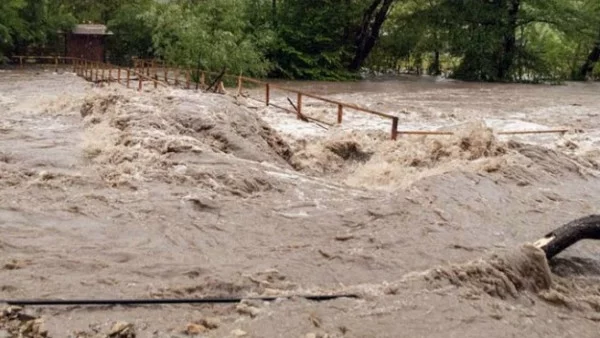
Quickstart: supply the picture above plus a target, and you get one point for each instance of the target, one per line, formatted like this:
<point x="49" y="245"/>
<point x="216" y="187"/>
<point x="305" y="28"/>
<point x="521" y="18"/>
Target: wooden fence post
<point x="140" y="85"/>
<point x="177" y="70"/>
<point x="240" y="85"/>
<point x="56" y="64"/>
<point x="119" y="75"/>
<point x="187" y="79"/>
<point x="155" y="80"/>
<point x="127" y="77"/>
<point x="21" y="61"/>
<point x="166" y="74"/>
<point x="109" y="74"/>
<point x="299" y="115"/>
<point x="394" y="128"/>
<point x="267" y="93"/>
<point x="340" y="113"/>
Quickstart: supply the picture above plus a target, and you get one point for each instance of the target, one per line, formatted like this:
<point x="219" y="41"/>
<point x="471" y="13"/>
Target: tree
<point x="211" y="35"/>
<point x="588" y="67"/>
<point x="372" y="20"/>
<point x="314" y="39"/>
<point x="11" y="24"/>
<point x="132" y="34"/>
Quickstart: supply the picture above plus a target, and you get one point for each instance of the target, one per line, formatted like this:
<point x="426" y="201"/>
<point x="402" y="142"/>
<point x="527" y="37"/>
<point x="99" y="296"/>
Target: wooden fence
<point x="160" y="74"/>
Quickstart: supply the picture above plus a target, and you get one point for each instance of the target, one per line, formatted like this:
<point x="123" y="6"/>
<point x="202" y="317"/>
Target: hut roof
<point x="91" y="29"/>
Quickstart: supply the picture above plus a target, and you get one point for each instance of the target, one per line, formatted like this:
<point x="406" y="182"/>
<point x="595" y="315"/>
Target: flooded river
<point x="113" y="193"/>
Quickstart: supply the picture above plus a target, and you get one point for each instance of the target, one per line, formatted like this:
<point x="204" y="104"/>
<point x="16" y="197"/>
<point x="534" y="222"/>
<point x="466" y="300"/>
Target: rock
<point x="122" y="330"/>
<point x="238" y="333"/>
<point x="211" y="323"/>
<point x="201" y="203"/>
<point x="4" y="334"/>
<point x="45" y="176"/>
<point x="33" y="328"/>
<point x="246" y="309"/>
<point x="194" y="329"/>
<point x="12" y="265"/>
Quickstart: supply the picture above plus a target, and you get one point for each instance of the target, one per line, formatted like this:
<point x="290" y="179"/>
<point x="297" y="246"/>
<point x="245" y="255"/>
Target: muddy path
<point x="174" y="194"/>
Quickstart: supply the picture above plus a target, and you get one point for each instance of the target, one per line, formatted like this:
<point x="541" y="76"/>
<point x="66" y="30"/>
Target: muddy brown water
<point x="170" y="193"/>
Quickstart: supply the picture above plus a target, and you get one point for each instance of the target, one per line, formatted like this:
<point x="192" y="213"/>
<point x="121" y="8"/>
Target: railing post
<point x="267" y="93"/>
<point x="140" y="85"/>
<point x="127" y="77"/>
<point x="97" y="66"/>
<point x="299" y="104"/>
<point x="187" y="79"/>
<point x="239" y="85"/>
<point x="109" y="74"/>
<point x="146" y="67"/>
<point x="167" y="75"/>
<point x="177" y="76"/>
<point x="56" y="64"/>
<point x="102" y="65"/>
<point x="203" y="80"/>
<point x="155" y="80"/>
<point x="21" y="61"/>
<point x="394" y="128"/>
<point x="340" y="113"/>
<point x="119" y="75"/>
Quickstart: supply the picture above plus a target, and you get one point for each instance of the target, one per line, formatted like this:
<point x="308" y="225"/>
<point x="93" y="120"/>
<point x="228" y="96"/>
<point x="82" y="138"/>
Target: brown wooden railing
<point x="148" y="70"/>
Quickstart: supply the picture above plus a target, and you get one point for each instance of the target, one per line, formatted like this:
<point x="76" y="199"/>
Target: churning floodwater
<point x="107" y="192"/>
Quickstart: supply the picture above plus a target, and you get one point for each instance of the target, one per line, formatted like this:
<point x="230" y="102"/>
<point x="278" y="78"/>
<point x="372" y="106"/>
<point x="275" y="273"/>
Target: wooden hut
<point x="87" y="41"/>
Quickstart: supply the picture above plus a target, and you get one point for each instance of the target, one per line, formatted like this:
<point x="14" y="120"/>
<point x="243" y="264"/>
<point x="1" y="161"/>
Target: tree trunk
<point x="274" y="13"/>
<point x="509" y="47"/>
<point x="568" y="234"/>
<point x="588" y="67"/>
<point x="435" y="68"/>
<point x="373" y="20"/>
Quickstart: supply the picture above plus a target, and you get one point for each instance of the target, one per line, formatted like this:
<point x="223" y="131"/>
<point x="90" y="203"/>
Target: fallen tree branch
<point x="217" y="80"/>
<point x="152" y="301"/>
<point x="565" y="236"/>
<point x="300" y="115"/>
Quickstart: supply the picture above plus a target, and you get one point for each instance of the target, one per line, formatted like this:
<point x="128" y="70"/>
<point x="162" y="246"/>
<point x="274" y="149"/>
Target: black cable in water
<point x="151" y="301"/>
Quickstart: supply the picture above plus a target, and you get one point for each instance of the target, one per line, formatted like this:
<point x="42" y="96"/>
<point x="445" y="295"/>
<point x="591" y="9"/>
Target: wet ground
<point x="172" y="193"/>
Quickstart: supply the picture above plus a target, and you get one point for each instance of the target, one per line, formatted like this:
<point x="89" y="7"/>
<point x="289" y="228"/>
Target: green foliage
<point x="314" y="39"/>
<point x="132" y="33"/>
<point x="496" y="40"/>
<point x="482" y="40"/>
<point x="211" y="35"/>
<point x="11" y="24"/>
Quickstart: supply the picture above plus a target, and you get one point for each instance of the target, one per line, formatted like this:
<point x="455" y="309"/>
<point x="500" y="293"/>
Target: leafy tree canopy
<point x="482" y="40"/>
